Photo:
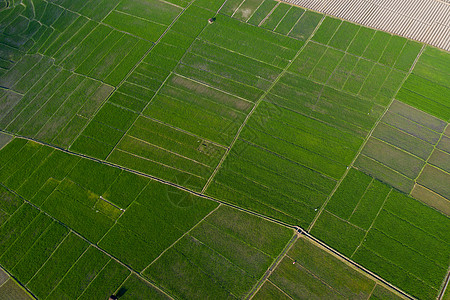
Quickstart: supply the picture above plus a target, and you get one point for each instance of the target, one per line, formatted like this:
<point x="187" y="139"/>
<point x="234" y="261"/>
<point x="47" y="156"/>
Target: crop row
<point x="377" y="46"/>
<point x="388" y="232"/>
<point x="348" y="72"/>
<point x="225" y="255"/>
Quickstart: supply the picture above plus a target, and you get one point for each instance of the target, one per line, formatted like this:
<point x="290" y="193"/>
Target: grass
<point x="305" y="25"/>
<point x="395" y="235"/>
<point x="344" y="35"/>
<point x="308" y="270"/>
<point x="350" y="191"/>
<point x="220" y="252"/>
<point x="326" y="30"/>
<point x="263" y="109"/>
<point x="47" y="278"/>
<point x="81" y="274"/>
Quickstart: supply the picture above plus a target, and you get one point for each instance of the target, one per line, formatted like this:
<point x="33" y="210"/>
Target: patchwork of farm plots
<point x="308" y="271"/>
<point x="133" y="131"/>
<point x="111" y="224"/>
<point x="397" y="237"/>
<point x="410" y="151"/>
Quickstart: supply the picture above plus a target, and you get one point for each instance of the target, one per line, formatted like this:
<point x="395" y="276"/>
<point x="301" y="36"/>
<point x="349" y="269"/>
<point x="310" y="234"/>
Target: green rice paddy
<point x="276" y="153"/>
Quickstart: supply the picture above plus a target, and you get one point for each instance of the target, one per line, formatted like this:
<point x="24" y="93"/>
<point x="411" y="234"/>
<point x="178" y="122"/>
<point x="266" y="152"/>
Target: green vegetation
<point x="168" y="148"/>
<point x="220" y="256"/>
<point x="399" y="238"/>
<point x="427" y="85"/>
<point x="307" y="270"/>
<point x="407" y="150"/>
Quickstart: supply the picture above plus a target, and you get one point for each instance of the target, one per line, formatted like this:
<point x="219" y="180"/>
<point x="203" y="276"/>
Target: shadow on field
<point x="121" y="292"/>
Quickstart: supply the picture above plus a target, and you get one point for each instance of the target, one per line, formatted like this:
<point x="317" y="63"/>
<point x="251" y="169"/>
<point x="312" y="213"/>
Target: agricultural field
<point x="396" y="236"/>
<point x="409" y="150"/>
<point x="307" y="270"/>
<point x="10" y="289"/>
<point x="271" y="153"/>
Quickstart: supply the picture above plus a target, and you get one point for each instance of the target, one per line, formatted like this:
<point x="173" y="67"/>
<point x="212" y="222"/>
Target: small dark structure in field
<point x="113" y="297"/>
<point x="210" y="21"/>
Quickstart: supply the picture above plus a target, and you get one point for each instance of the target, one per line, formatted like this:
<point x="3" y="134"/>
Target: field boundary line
<point x="232" y="15"/>
<point x="444" y="286"/>
<point x="29" y="70"/>
<point x="246" y="21"/>
<point x="296" y="22"/>
<point x="42" y="105"/>
<point x="278" y="288"/>
<point x="12" y="173"/>
<point x="385" y="166"/>
<point x="281" y="20"/>
<point x="429" y="156"/>
<point x="60" y="106"/>
<point x="155" y="179"/>
<point x="297" y="146"/>
<point x="359" y="201"/>
<point x="366" y="139"/>
<point x="268" y="15"/>
<point x="400" y="149"/>
<point x="184" y="131"/>
<point x="31" y="100"/>
<point x="273" y="266"/>
<point x="184" y="234"/>
<point x="121" y="284"/>
<point x="356" y="265"/>
<point x="11" y="277"/>
<point x="90" y="244"/>
<point x="51" y="255"/>
<point x="47" y="228"/>
<point x="96" y="275"/>
<point x="68" y="270"/>
<point x="415" y="122"/>
<point x="383" y="232"/>
<point x="316" y="276"/>
<point x="169" y="151"/>
<point x="160" y="163"/>
<point x="283" y="71"/>
<point x="373" y="222"/>
<point x="244" y="55"/>
<point x="371" y="292"/>
<point x="213" y="87"/>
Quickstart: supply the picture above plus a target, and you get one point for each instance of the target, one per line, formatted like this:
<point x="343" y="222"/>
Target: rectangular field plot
<point x="391" y="234"/>
<point x="284" y="173"/>
<point x="350" y="73"/>
<point x="402" y="149"/>
<point x="52" y="100"/>
<point x="227" y="70"/>
<point x="270" y="48"/>
<point x="159" y="216"/>
<point x="225" y="255"/>
<point x="146" y="19"/>
<point x="426" y="88"/>
<point x="308" y="270"/>
<point x="200" y="109"/>
<point x="352" y="114"/>
<point x="155" y="148"/>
